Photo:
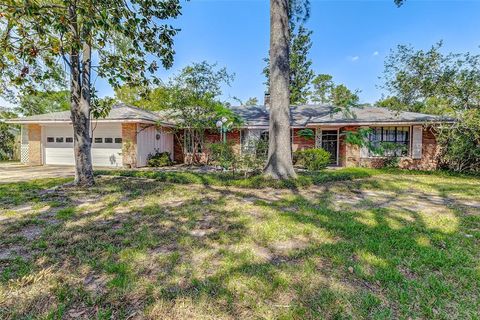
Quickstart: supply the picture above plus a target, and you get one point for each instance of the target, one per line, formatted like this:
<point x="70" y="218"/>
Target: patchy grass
<point x="338" y="244"/>
<point x="257" y="182"/>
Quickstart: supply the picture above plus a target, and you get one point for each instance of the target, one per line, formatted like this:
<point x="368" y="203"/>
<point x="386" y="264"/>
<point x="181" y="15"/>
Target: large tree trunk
<point x="279" y="164"/>
<point x="80" y="109"/>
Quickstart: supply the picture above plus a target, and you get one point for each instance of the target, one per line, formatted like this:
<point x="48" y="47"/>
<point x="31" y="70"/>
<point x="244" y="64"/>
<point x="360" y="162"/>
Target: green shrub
<point x="159" y="159"/>
<point x="254" y="156"/>
<point x="312" y="159"/>
<point x="222" y="154"/>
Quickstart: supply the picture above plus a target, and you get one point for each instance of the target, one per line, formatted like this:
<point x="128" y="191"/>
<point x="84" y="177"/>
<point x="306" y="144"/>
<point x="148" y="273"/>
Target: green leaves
<point x="38" y="36"/>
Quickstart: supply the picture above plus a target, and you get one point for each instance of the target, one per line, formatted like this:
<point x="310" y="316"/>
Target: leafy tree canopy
<point x="8" y="134"/>
<point x="36" y="34"/>
<point x="434" y="82"/>
<point x="431" y="81"/>
<point x="326" y="91"/>
<point x="43" y="102"/>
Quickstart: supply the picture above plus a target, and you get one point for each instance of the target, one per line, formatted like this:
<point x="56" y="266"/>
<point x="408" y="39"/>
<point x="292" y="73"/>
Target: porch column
<point x="35" y="145"/>
<point x="129" y="144"/>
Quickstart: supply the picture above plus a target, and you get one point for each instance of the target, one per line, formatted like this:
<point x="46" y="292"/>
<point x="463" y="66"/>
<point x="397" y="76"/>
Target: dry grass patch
<point x="387" y="246"/>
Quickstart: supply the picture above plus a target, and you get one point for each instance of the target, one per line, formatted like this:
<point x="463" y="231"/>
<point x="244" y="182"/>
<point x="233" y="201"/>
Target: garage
<point x="125" y="137"/>
<point x="106" y="145"/>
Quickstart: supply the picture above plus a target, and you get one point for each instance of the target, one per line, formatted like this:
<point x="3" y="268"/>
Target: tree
<point x="338" y="95"/>
<point x="279" y="162"/>
<point x="432" y="82"/>
<point x="8" y="134"/>
<point x="43" y="102"/>
<point x="121" y="33"/>
<point x="194" y="103"/>
<point x="191" y="99"/>
<point x="343" y="98"/>
<point x="252" y="101"/>
<point x="322" y="88"/>
<point x="301" y="73"/>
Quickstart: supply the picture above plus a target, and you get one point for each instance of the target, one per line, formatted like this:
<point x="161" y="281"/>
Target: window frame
<point x="100" y="140"/>
<point x="384" y="138"/>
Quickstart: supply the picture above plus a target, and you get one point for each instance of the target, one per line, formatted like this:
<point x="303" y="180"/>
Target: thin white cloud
<point x="375" y="53"/>
<point x="354" y="58"/>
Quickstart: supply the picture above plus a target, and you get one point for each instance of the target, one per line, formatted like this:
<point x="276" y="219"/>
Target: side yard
<point x="341" y="244"/>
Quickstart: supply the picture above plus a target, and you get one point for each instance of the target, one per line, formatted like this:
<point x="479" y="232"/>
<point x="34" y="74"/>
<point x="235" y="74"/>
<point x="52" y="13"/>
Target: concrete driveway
<point x="14" y="172"/>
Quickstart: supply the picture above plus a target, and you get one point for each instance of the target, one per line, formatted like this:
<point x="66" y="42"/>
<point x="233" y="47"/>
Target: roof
<point x="309" y="115"/>
<point x="258" y="116"/>
<point x="119" y="112"/>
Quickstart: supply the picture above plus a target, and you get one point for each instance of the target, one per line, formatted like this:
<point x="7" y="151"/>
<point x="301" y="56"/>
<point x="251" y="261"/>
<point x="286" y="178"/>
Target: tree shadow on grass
<point x="202" y="254"/>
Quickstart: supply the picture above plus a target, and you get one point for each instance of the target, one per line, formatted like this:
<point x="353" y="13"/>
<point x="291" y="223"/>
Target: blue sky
<point x="350" y="41"/>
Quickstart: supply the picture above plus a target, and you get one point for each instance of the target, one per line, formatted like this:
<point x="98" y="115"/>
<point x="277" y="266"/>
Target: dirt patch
<point x="31" y="232"/>
<point x="9" y="253"/>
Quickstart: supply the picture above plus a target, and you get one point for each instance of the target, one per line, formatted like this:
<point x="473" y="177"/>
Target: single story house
<point x="128" y="135"/>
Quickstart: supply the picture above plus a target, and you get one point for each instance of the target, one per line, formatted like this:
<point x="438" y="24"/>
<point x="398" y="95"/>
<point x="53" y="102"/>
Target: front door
<point x="329" y="142"/>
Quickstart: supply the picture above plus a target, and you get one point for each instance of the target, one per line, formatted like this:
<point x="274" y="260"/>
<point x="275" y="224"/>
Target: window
<point x="389" y="141"/>
<point x="108" y="140"/>
<point x="118" y="140"/>
<point x="254" y="141"/>
<point x="59" y="139"/>
<point x="50" y="139"/>
<point x="69" y="139"/>
<point x="264" y="136"/>
<point x="98" y="140"/>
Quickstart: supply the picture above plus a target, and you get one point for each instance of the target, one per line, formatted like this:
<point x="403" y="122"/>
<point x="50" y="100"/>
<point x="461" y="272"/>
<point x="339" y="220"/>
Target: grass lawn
<point x="342" y="244"/>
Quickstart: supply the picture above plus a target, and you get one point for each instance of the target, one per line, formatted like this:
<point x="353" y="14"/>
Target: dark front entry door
<point x="329" y="143"/>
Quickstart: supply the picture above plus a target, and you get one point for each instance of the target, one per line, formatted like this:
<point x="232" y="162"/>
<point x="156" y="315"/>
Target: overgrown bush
<point x="254" y="157"/>
<point x="223" y="155"/>
<point x="159" y="159"/>
<point x="313" y="159"/>
<point x="460" y="143"/>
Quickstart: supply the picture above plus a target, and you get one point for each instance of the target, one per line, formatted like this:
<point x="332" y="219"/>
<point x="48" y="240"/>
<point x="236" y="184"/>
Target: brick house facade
<point x="128" y="135"/>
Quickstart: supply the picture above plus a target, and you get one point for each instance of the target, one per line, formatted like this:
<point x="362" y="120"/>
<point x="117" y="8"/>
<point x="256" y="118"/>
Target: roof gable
<point x="119" y="112"/>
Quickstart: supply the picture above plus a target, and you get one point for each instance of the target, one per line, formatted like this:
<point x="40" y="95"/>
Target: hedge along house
<point x="123" y="138"/>
<point x="128" y="135"/>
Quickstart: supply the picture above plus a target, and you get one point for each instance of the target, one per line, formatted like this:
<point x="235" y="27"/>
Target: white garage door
<point x="106" y="145"/>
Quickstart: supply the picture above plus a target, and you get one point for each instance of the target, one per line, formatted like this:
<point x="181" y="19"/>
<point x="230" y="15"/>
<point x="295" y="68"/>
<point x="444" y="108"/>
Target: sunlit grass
<point x="340" y="244"/>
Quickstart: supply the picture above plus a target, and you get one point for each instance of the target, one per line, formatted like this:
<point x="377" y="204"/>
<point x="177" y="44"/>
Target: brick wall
<point x="129" y="144"/>
<point x="211" y="136"/>
<point x="34" y="145"/>
<point x="350" y="154"/>
<point x="302" y="143"/>
<point x="430" y="153"/>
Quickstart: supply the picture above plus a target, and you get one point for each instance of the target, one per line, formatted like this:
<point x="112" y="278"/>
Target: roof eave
<point x="63" y="121"/>
<point x="367" y="123"/>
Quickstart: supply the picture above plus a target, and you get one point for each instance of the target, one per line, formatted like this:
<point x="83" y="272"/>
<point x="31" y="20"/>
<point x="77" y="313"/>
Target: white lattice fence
<point x="24" y="145"/>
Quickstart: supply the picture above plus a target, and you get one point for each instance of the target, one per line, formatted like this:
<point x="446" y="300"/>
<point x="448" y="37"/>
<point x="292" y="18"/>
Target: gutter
<point x="20" y="121"/>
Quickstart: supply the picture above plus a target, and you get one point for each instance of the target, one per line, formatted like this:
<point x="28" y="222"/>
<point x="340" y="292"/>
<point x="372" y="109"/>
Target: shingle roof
<point x="118" y="112"/>
<point x="304" y="115"/>
<point x="301" y="116"/>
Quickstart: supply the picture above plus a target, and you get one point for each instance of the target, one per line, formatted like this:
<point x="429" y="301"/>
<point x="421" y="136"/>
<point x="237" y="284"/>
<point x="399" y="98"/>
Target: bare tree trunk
<point x="80" y="107"/>
<point x="279" y="164"/>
